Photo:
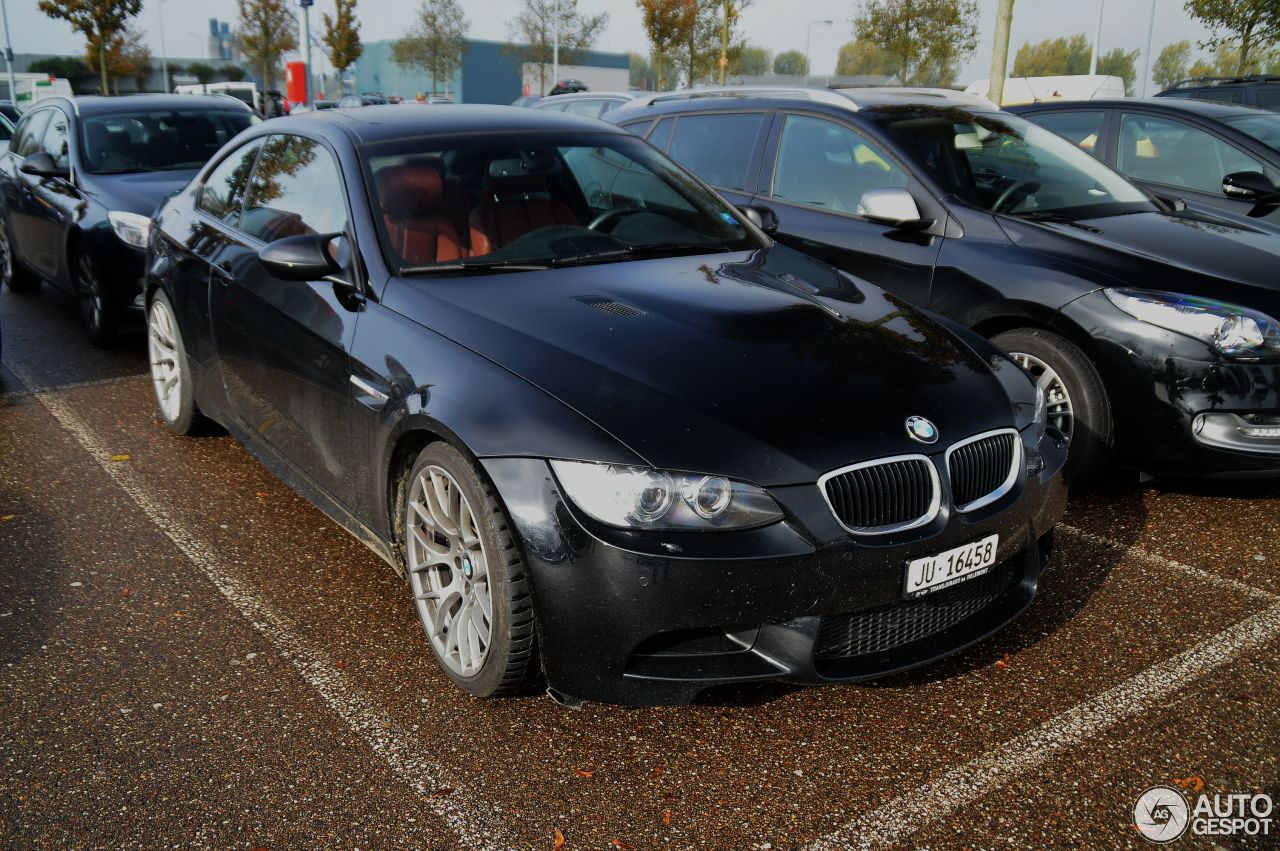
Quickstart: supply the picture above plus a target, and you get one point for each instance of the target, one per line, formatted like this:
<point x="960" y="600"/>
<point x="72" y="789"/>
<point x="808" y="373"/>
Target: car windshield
<point x="1004" y="164"/>
<point x="157" y="140"/>
<point x="1264" y="127"/>
<point x="504" y="202"/>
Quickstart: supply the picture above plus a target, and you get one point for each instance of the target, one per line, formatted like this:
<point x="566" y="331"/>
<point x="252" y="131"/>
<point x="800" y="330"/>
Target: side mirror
<point x="1251" y="186"/>
<point x="893" y="207"/>
<point x="761" y="216"/>
<point x="42" y="164"/>
<point x="304" y="258"/>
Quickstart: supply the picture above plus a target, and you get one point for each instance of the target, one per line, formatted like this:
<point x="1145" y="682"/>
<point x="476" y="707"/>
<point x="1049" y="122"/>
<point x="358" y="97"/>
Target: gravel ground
<point x="194" y="656"/>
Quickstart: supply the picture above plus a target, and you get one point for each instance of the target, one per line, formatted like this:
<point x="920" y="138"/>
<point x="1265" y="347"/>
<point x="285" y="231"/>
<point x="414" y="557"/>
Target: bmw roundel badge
<point x="922" y="430"/>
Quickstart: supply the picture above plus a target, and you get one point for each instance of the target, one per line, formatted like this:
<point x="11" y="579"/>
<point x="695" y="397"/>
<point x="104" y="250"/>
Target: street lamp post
<point x="164" y="54"/>
<point x="8" y="54"/>
<point x="1146" y="65"/>
<point x="555" y="47"/>
<point x="808" y="43"/>
<point x="1093" y="54"/>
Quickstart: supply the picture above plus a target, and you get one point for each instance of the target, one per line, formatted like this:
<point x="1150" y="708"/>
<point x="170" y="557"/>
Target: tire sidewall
<point x="104" y="331"/>
<point x="185" y="422"/>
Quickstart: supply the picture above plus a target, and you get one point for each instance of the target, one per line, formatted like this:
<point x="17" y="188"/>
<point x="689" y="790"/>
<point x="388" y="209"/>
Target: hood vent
<point x="609" y="305"/>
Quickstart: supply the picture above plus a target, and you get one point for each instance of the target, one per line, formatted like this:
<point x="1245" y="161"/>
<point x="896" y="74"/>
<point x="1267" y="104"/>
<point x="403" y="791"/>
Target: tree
<point x="266" y="31"/>
<point x="754" y="61"/>
<point x="342" y="37"/>
<point x="1201" y="68"/>
<point x="71" y="68"/>
<point x="859" y="58"/>
<point x="1053" y="57"/>
<point x="126" y="56"/>
<point x="1171" y="64"/>
<point x="202" y="72"/>
<point x="1246" y="23"/>
<point x="640" y="72"/>
<point x="667" y="23"/>
<point x="435" y="41"/>
<point x="700" y="49"/>
<point x="730" y="16"/>
<point x="926" y="39"/>
<point x="99" y="21"/>
<point x="234" y="73"/>
<point x="791" y="63"/>
<point x="533" y="30"/>
<point x="1121" y="63"/>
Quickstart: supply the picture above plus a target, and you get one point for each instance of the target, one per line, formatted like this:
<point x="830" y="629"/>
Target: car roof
<point x="117" y="104"/>
<point x="849" y="100"/>
<point x="383" y="123"/>
<point x="1206" y="108"/>
<point x="584" y="96"/>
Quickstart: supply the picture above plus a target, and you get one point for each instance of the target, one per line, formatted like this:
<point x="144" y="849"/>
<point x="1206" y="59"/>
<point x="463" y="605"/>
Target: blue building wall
<point x="488" y="75"/>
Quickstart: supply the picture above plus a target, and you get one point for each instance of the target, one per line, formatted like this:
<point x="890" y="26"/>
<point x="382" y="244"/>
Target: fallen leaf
<point x="124" y="592"/>
<point x="1194" y="783"/>
<point x="559" y="840"/>
<point x="181" y="613"/>
<point x="342" y="666"/>
<point x="122" y="457"/>
<point x="443" y="791"/>
<point x="6" y="518"/>
<point x="1003" y="663"/>
<point x="263" y="493"/>
<point x="583" y="773"/>
<point x="621" y="846"/>
<point x="666" y="817"/>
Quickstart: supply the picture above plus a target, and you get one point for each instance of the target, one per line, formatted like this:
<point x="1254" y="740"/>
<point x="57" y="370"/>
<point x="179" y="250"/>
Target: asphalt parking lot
<point x="193" y="656"/>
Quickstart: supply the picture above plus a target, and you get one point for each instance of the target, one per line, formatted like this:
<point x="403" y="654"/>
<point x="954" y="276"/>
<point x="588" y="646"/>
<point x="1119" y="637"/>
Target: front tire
<point x="1076" y="401"/>
<point x="469" y="580"/>
<point x="99" y="309"/>
<point x="171" y="376"/>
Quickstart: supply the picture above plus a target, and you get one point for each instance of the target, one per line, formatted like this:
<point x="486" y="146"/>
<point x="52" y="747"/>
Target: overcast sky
<point x="775" y="24"/>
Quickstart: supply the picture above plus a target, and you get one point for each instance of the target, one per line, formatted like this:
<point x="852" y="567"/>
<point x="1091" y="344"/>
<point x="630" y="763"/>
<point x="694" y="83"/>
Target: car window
<point x="55" y="142"/>
<point x="660" y="134"/>
<point x="827" y="165"/>
<point x="553" y="106"/>
<point x="717" y="148"/>
<point x="1268" y="96"/>
<point x="1222" y="94"/>
<point x="224" y="187"/>
<point x="295" y="189"/>
<point x="31" y="133"/>
<point x="1185" y="94"/>
<point x="1165" y="150"/>
<point x="157" y="139"/>
<point x="1081" y="128"/>
<point x="1263" y="126"/>
<point x="592" y="107"/>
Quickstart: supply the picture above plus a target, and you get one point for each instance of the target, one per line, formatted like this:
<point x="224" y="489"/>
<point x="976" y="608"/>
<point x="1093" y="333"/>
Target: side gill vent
<point x="609" y="305"/>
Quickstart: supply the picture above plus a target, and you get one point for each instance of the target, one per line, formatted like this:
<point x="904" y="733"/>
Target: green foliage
<point x="754" y="61"/>
<point x="668" y="25"/>
<point x="266" y="31"/>
<point x="1121" y="63"/>
<point x="1053" y="57"/>
<point x="202" y="72"/>
<point x="234" y="73"/>
<point x="435" y="42"/>
<point x="926" y="39"/>
<point x="99" y="21"/>
<point x="72" y="68"/>
<point x="342" y="35"/>
<point x="1247" y="24"/>
<point x="860" y="57"/>
<point x="1172" y="64"/>
<point x="790" y="63"/>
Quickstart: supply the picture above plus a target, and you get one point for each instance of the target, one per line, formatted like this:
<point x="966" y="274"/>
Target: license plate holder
<point x="947" y="569"/>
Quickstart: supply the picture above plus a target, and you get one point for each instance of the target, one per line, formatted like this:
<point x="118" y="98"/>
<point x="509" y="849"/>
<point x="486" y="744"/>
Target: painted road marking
<point x="477" y="825"/>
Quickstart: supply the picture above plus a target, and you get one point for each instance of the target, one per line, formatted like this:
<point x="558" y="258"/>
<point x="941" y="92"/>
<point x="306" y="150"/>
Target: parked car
<point x="1213" y="155"/>
<point x="591" y="104"/>
<point x="1260" y="90"/>
<point x="324" y="104"/>
<point x="80" y="181"/>
<point x="526" y="100"/>
<point x="566" y="86"/>
<point x="1151" y="330"/>
<point x="10" y="111"/>
<point x="607" y="428"/>
<point x="350" y="101"/>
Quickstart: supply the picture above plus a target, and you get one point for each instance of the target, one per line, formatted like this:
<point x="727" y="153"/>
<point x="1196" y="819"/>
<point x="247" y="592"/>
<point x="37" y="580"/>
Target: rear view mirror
<point x="761" y="216"/>
<point x="309" y="257"/>
<point x="42" y="164"/>
<point x="1251" y="186"/>
<point x="893" y="207"/>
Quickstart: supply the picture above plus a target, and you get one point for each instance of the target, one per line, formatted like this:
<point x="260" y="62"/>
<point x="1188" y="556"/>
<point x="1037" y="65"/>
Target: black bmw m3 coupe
<point x="616" y="438"/>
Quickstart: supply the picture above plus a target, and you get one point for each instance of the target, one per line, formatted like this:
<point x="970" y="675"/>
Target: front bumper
<point x="644" y="621"/>
<point x="1179" y="409"/>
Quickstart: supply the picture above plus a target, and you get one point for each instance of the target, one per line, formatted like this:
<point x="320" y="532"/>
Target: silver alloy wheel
<point x="449" y="571"/>
<point x="166" y="368"/>
<point x="6" y="257"/>
<point x="89" y="291"/>
<point x="1057" y="400"/>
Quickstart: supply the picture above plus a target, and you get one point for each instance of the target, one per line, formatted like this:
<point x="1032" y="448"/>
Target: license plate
<point x="933" y="573"/>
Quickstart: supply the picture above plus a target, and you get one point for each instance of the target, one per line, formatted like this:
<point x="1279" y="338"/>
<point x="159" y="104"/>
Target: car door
<point x="1173" y="158"/>
<point x="722" y="148"/>
<point x="19" y="200"/>
<point x="815" y="174"/>
<point x="52" y="206"/>
<point x="283" y="346"/>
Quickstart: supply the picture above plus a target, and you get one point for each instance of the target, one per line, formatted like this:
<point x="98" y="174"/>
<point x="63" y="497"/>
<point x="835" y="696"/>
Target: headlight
<point x="132" y="228"/>
<point x="644" y="498"/>
<point x="1229" y="328"/>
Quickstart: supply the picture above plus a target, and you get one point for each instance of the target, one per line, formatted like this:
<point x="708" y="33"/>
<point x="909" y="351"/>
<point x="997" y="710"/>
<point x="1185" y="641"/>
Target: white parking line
<point x="1194" y="572"/>
<point x="477" y="825"/>
<point x="29" y="388"/>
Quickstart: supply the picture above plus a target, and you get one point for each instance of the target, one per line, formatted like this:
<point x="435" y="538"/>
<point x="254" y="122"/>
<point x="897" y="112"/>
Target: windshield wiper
<point x="640" y="252"/>
<point x="1046" y="216"/>
<point x="491" y="266"/>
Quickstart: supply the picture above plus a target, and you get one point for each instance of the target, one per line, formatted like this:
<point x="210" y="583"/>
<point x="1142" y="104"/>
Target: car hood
<point x="1189" y="252"/>
<point x="765" y="366"/>
<point x="141" y="192"/>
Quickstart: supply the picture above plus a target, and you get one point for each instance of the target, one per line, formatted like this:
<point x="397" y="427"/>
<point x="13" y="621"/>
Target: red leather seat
<point x="510" y="207"/>
<point x="416" y="215"/>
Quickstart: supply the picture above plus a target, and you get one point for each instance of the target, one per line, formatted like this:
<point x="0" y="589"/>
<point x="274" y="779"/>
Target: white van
<point x="247" y="92"/>
<point x="1020" y="90"/>
<point x="36" y="87"/>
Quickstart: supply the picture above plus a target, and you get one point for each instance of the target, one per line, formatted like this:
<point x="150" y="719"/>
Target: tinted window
<point x="1268" y="96"/>
<point x="31" y="133"/>
<point x="55" y="140"/>
<point x="660" y="134"/>
<point x="824" y="164"/>
<point x="1224" y="95"/>
<point x="1164" y="150"/>
<point x="1081" y="129"/>
<point x="295" y="190"/>
<point x="1181" y="93"/>
<point x="224" y="187"/>
<point x="1263" y="126"/>
<point x="717" y="148"/>
<point x="157" y="140"/>
<point x="589" y="107"/>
